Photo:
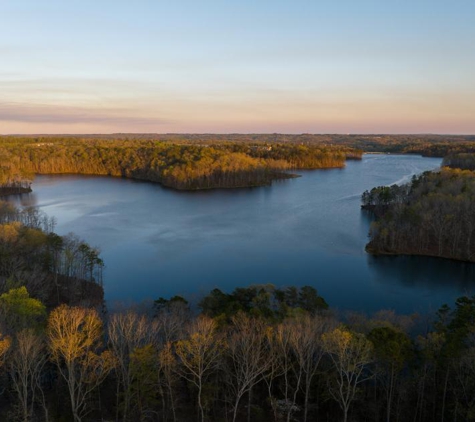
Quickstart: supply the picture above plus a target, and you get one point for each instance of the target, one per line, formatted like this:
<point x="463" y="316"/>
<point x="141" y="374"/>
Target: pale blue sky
<point x="220" y="66"/>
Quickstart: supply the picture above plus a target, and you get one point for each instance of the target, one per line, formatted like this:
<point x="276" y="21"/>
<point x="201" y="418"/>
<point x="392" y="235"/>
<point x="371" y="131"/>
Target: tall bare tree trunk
<point x="249" y="399"/>
<point x="444" y="396"/>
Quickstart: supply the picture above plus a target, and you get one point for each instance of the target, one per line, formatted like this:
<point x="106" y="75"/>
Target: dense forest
<point x="176" y="165"/>
<point x="433" y="215"/>
<point x="256" y="354"/>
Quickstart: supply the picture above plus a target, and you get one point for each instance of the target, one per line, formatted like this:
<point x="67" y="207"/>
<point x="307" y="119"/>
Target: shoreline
<point x="276" y="177"/>
<point x="376" y="253"/>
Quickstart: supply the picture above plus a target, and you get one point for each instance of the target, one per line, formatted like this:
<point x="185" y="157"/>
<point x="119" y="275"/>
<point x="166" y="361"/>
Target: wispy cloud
<point x="24" y="113"/>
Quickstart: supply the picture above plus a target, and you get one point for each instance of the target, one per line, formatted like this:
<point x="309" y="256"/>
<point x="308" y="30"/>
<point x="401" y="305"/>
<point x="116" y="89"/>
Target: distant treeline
<point x="176" y="165"/>
<point x="56" y="269"/>
<point x="433" y="215"/>
<point x="425" y="144"/>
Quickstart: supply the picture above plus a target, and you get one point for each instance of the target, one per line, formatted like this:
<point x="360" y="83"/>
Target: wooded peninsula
<point x="433" y="215"/>
<point x="184" y="166"/>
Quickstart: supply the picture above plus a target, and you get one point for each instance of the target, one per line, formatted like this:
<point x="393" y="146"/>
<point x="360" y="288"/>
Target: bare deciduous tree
<point x="173" y="320"/>
<point x="282" y="351"/>
<point x="248" y="352"/>
<point x="127" y="332"/>
<point x="307" y="347"/>
<point x="167" y="376"/>
<point x="199" y="355"/>
<point x="350" y="353"/>
<point x="74" y="336"/>
<point x="25" y="365"/>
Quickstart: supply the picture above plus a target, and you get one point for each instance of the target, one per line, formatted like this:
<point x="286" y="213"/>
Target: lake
<point x="304" y="231"/>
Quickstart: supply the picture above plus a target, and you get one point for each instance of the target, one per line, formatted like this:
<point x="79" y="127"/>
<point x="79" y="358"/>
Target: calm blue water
<point x="309" y="230"/>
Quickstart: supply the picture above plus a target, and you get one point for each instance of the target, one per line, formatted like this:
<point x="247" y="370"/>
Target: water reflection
<point x="431" y="274"/>
<point x="23" y="199"/>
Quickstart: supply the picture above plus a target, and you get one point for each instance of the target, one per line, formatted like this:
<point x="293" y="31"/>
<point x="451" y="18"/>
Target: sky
<point x="320" y="66"/>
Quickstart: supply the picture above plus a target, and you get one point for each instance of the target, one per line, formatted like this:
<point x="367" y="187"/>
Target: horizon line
<point x="243" y="133"/>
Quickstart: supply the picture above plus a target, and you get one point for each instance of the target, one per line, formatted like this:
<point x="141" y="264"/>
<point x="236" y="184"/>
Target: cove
<point x="304" y="231"/>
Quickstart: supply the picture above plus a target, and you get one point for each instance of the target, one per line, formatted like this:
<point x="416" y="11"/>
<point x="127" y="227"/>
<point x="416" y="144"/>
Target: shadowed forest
<point x="257" y="354"/>
<point x="432" y="215"/>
